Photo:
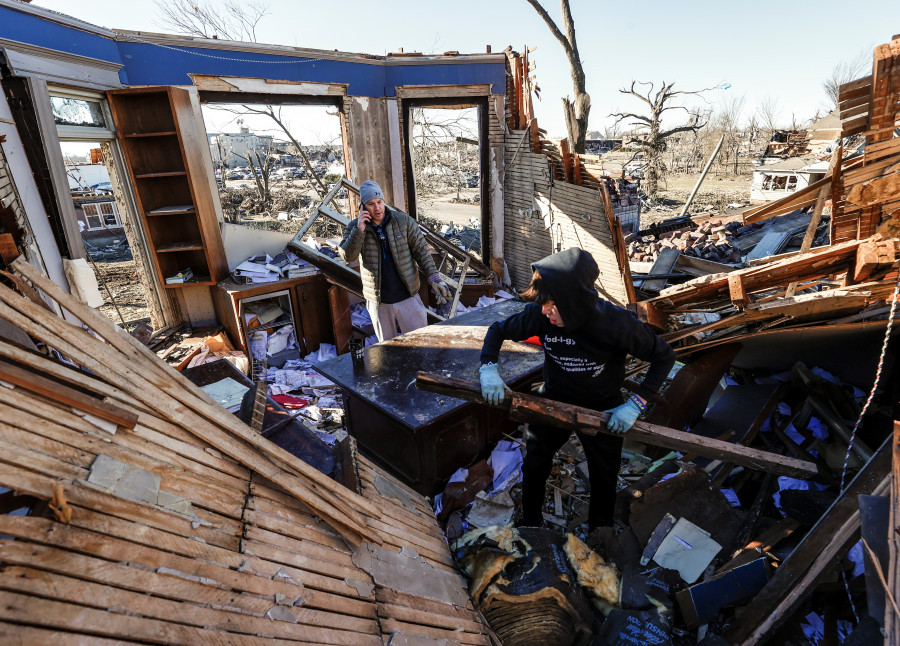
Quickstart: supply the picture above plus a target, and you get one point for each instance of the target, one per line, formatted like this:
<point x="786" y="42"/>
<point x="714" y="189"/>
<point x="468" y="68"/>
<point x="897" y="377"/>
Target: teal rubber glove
<point x="493" y="389"/>
<point x="623" y="417"/>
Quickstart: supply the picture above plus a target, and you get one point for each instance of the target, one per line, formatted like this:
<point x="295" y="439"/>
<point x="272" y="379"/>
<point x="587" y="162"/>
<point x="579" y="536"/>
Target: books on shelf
<point x="183" y="276"/>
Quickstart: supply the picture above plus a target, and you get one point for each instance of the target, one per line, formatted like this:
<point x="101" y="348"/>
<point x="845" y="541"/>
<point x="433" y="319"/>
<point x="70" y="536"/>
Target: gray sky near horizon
<point x="783" y="50"/>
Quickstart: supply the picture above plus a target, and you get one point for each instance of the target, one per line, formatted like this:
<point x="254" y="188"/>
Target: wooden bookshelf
<point x="161" y="136"/>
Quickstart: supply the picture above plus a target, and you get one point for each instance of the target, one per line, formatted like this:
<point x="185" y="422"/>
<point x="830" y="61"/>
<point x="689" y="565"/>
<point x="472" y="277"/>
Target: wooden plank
<point x="100" y="358"/>
<point x="318" y="625"/>
<point x="61" y="393"/>
<point x="795" y="579"/>
<point x="72" y="617"/>
<point x="390" y="626"/>
<point x="200" y="491"/>
<point x="333" y="495"/>
<point x="524" y="407"/>
<point x="8" y="249"/>
<point x="848" y="90"/>
<point x="257" y="575"/>
<point x="126" y="577"/>
<point x="30" y="636"/>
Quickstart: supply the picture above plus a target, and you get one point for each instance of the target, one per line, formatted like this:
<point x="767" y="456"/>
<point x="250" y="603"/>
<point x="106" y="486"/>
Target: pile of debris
<point x="725" y="240"/>
<point x="695" y="538"/>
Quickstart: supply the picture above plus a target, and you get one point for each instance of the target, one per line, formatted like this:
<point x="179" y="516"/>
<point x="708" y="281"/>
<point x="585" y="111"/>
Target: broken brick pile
<point x="711" y="240"/>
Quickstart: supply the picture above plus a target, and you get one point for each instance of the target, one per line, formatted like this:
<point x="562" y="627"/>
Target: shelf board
<point x="180" y="246"/>
<point x="196" y="280"/>
<point x="167" y="133"/>
<point x="173" y="173"/>
<point x="173" y="210"/>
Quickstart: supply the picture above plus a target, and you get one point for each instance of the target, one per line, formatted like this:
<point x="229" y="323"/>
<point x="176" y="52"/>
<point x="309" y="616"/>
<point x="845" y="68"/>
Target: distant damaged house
<point x="780" y="179"/>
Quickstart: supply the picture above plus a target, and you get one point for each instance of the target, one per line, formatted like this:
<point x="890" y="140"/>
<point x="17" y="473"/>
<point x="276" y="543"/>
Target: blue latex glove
<point x="623" y="417"/>
<point x="493" y="389"/>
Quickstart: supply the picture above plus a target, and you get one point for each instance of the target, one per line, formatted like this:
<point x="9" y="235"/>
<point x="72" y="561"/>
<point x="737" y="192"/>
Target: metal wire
<point x="887" y="336"/>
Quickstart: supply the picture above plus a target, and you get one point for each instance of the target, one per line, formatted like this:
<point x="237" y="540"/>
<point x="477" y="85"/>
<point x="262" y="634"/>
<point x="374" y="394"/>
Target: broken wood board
<point x="140" y="373"/>
<point x="797" y="576"/>
<point x="524" y="407"/>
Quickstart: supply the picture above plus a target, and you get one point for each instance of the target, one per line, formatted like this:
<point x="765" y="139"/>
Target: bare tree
<point x="767" y="114"/>
<point x="261" y="166"/>
<point x="445" y="150"/>
<point x="576" y="112"/>
<point x="649" y="125"/>
<point x="727" y="122"/>
<point x="231" y="20"/>
<point x="844" y="73"/>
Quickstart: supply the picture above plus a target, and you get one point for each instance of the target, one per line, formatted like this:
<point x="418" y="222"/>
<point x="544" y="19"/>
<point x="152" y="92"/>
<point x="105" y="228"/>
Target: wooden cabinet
<point x="168" y="159"/>
<point x="309" y="304"/>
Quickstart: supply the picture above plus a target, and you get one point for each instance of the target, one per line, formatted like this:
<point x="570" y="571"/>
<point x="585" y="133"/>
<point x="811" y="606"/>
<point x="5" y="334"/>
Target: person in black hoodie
<point x="586" y="340"/>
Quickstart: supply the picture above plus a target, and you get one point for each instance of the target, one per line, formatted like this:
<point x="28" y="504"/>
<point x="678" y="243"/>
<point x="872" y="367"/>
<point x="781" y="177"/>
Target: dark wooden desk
<point x="419" y="436"/>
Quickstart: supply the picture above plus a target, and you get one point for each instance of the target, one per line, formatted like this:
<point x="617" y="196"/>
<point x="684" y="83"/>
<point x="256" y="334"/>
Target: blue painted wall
<point x="150" y="64"/>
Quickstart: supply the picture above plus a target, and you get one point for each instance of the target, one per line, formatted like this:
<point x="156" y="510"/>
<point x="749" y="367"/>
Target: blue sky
<point x="783" y="49"/>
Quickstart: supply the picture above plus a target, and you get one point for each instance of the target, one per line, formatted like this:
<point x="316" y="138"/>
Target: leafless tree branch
<point x="231" y="20"/>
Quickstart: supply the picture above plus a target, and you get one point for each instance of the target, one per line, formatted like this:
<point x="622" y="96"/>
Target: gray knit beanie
<point x="369" y="190"/>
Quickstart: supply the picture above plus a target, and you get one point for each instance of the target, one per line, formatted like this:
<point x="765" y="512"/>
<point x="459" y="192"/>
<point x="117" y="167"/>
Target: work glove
<point x="623" y="417"/>
<point x="492" y="387"/>
<point x="439" y="287"/>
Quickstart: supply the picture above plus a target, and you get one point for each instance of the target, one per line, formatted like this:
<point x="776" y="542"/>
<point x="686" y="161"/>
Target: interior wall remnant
<point x="543" y="217"/>
<point x="23" y="196"/>
<point x="370" y="145"/>
<point x="496" y="175"/>
<point x="24" y="115"/>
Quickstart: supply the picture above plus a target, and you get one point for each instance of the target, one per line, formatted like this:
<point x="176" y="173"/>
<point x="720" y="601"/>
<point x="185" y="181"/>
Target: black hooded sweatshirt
<point x="584" y="362"/>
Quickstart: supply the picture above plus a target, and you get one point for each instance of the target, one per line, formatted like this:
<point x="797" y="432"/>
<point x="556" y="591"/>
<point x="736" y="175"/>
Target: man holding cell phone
<point x="391" y="249"/>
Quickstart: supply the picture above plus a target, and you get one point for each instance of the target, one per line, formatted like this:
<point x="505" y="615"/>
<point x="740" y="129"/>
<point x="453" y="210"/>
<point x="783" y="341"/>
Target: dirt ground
<point x="119" y="284"/>
<point x="725" y="194"/>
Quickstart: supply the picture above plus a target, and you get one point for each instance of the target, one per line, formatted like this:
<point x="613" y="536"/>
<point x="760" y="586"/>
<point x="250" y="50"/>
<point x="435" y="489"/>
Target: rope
<point x="887" y="336"/>
<point x="182" y="50"/>
<point x="849" y="596"/>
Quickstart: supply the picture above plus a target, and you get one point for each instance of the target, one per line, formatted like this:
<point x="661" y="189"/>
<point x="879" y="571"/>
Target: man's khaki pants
<point x="392" y="319"/>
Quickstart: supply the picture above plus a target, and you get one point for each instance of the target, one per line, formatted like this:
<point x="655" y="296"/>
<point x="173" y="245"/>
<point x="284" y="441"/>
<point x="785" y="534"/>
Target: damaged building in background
<point x="192" y="480"/>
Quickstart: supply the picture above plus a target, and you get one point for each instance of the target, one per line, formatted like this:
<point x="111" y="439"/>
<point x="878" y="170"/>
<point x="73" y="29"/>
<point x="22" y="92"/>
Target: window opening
<point x="103" y="234"/>
<point x="275" y="163"/>
<point x="444" y="145"/>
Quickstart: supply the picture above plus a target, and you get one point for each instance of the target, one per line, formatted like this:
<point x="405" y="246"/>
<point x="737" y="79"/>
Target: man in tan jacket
<point x="391" y="249"/>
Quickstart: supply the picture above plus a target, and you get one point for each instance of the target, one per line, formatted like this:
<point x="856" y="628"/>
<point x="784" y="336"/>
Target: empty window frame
<point x="101" y="215"/>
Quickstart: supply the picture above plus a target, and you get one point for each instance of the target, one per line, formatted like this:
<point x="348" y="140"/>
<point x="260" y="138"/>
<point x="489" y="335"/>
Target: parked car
<point x="634" y="168"/>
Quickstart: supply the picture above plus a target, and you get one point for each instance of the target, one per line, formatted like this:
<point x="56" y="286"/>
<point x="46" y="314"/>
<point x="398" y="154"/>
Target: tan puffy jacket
<point x="407" y="245"/>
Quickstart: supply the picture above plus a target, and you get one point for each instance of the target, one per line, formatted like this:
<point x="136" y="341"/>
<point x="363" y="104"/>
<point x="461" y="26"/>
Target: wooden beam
<point x="524" y="407"/>
<point x="650" y="314"/>
<point x="871" y="256"/>
<point x="66" y="395"/>
<point x="739" y="297"/>
<point x="811" y="230"/>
